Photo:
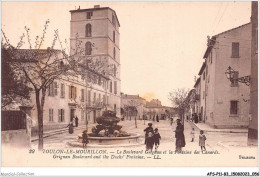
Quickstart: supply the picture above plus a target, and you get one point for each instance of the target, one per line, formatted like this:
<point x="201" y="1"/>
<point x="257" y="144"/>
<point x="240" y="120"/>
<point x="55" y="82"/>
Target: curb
<point x="55" y="132"/>
<point x="219" y="130"/>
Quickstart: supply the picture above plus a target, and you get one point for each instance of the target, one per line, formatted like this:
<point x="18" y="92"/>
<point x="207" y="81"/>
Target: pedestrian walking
<point x="179" y="135"/>
<point x="202" y="139"/>
<point x="192" y="134"/>
<point x="70" y="127"/>
<point x="76" y="121"/>
<point x="149" y="142"/>
<point x="156" y="138"/>
<point x="85" y="138"/>
<point x="157" y="118"/>
<point x="148" y="130"/>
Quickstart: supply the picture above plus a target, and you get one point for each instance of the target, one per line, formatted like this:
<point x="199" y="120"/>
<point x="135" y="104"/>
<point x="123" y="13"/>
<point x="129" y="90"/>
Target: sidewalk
<point x="58" y="131"/>
<point x="207" y="128"/>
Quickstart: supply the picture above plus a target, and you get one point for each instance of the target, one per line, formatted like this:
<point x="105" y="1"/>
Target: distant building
<point x="224" y="104"/>
<point x="203" y="93"/>
<point x="197" y="87"/>
<point x="132" y="106"/>
<point x="190" y="110"/>
<point x="154" y="108"/>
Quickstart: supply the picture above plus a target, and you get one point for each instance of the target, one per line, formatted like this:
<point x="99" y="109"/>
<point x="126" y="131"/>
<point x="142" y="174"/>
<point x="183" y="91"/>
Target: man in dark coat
<point x="157" y="118"/>
<point x="179" y="135"/>
<point x="76" y="121"/>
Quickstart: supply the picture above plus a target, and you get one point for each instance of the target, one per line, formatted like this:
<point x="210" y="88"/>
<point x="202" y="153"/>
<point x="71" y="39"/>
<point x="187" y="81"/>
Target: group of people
<point x="71" y="126"/>
<point x="152" y="138"/>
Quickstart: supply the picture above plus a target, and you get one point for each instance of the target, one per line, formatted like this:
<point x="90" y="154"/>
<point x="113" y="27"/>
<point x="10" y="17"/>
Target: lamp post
<point x="230" y="76"/>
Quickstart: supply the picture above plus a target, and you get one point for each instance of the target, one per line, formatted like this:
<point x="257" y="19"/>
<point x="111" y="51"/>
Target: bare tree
<point x="179" y="98"/>
<point x="41" y="67"/>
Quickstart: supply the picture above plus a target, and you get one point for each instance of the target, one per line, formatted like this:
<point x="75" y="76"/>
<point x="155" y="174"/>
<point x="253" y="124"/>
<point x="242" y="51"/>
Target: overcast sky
<point x="161" y="43"/>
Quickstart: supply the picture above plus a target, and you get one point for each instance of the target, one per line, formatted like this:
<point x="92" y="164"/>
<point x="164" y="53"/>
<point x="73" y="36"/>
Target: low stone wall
<point x="48" y="127"/>
<point x="16" y="138"/>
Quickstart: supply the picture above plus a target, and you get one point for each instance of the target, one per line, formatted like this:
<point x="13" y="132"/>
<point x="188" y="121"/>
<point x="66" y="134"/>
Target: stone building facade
<point x="96" y="31"/>
<point x="227" y="103"/>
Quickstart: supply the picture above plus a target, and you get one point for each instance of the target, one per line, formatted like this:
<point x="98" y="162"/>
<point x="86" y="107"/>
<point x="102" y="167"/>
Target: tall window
<point x="82" y="95"/>
<point x="88" y="48"/>
<point x="111" y="86"/>
<point x="52" y="89"/>
<point x="62" y="90"/>
<point x="51" y="115"/>
<point x="115" y="70"/>
<point x="61" y="115"/>
<point x="94" y="98"/>
<point x="89" y="15"/>
<point x="113" y="20"/>
<point x="114" y="36"/>
<point x="234" y="81"/>
<point x="104" y="99"/>
<point x="88" y="30"/>
<point x="114" y="53"/>
<point x="234" y="107"/>
<point x="115" y="87"/>
<point x="99" y="98"/>
<point x="235" y="49"/>
<point x="72" y="92"/>
<point x="89" y="97"/>
<point x="115" y="107"/>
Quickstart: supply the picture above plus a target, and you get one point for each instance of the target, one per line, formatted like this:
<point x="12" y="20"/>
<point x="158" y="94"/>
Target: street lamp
<point x="230" y="76"/>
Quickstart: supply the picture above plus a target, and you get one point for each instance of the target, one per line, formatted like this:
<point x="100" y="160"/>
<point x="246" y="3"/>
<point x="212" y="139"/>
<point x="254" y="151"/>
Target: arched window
<point x="88" y="30"/>
<point x="114" y="52"/>
<point x="88" y="48"/>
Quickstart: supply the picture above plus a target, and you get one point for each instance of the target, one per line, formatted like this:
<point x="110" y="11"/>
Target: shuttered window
<point x="234" y="107"/>
<point x="235" y="49"/>
<point x="61" y="114"/>
<point x="51" y="115"/>
<point x="62" y="90"/>
<point x="53" y="89"/>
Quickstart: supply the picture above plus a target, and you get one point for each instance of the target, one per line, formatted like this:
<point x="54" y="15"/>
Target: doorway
<point x="72" y="114"/>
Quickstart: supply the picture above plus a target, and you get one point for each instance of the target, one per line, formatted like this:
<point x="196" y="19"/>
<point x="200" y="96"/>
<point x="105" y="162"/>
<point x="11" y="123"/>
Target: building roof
<point x="131" y="96"/>
<point x="96" y="8"/>
<point x="197" y="82"/>
<point x="202" y="68"/>
<point x="213" y="39"/>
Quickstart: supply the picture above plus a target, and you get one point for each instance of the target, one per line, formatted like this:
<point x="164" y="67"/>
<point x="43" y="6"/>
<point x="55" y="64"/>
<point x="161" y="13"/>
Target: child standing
<point x="85" y="138"/>
<point x="192" y="134"/>
<point x="202" y="139"/>
<point x="156" y="138"/>
<point x="149" y="142"/>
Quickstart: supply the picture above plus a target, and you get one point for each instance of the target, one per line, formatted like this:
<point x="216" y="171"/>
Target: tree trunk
<point x="40" y="105"/>
<point x="40" y="120"/>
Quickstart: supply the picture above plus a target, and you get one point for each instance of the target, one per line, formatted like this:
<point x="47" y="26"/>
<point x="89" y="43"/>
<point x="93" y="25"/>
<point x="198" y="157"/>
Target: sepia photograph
<point x="129" y="84"/>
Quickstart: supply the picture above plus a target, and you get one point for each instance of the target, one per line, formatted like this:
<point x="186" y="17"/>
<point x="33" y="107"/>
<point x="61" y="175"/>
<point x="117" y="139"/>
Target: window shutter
<point x="55" y="89"/>
<point x="59" y="114"/>
<point x="49" y="91"/>
<point x="70" y="95"/>
<point x="75" y="88"/>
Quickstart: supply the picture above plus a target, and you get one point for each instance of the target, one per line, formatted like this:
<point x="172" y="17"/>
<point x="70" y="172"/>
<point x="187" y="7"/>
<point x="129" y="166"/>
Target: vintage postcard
<point x="129" y="84"/>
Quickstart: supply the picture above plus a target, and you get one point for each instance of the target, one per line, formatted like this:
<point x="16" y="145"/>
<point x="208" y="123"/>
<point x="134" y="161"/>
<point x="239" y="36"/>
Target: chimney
<point x="96" y="6"/>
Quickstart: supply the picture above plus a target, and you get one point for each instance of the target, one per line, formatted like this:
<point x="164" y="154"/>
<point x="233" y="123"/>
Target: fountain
<point x="108" y="133"/>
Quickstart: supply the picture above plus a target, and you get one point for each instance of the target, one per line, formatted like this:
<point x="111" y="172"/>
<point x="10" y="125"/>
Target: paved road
<point x="165" y="129"/>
